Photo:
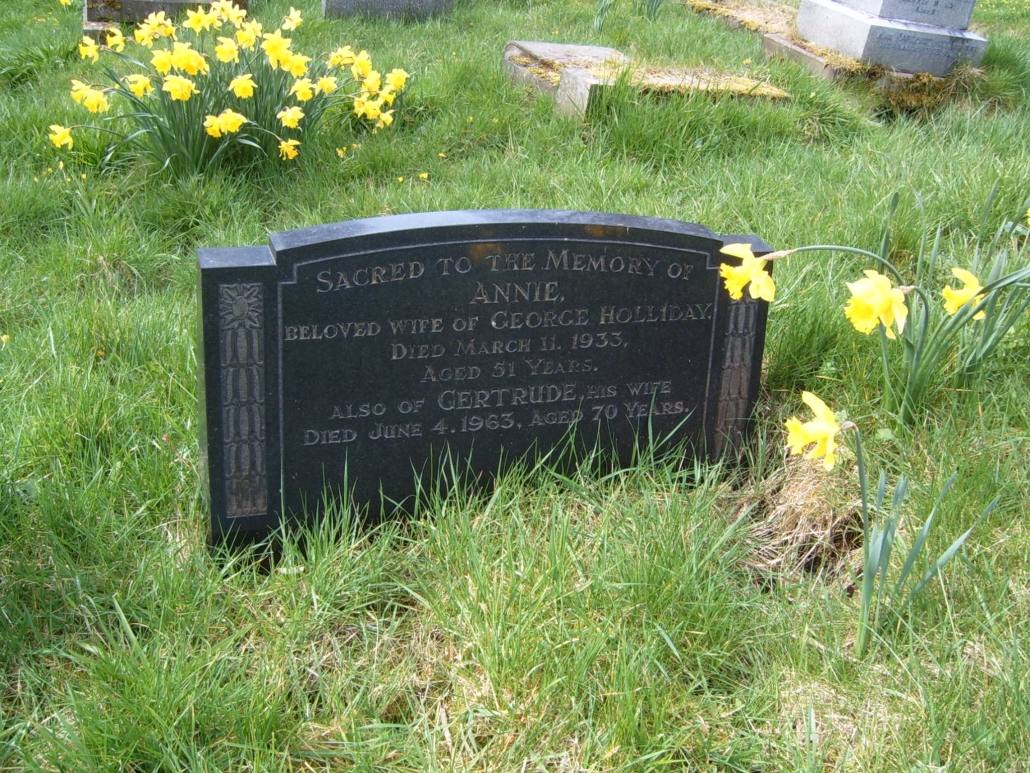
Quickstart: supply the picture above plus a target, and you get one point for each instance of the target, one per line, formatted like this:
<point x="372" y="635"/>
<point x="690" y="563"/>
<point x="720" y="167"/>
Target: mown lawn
<point x="655" y="619"/>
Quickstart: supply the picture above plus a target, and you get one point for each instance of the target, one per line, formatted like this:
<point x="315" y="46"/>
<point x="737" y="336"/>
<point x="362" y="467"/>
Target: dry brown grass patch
<point x="805" y="521"/>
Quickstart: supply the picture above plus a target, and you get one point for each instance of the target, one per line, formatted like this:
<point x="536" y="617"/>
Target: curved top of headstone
<point x="391" y="230"/>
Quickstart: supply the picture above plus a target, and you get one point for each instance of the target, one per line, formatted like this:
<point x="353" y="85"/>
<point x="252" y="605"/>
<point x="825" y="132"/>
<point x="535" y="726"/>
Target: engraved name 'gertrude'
<point x="464" y="400"/>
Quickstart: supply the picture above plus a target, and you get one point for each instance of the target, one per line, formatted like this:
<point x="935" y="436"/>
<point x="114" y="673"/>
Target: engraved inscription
<point x="242" y="361"/>
<point x="529" y="339"/>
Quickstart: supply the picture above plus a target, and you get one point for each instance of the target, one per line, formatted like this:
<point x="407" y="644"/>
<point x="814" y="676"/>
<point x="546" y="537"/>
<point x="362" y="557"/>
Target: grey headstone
<point x="139" y="10"/>
<point x="954" y="14"/>
<point x="900" y="45"/>
<point x="402" y="9"/>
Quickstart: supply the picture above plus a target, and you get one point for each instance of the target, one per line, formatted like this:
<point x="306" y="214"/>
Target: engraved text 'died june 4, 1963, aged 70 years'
<point x="349" y="359"/>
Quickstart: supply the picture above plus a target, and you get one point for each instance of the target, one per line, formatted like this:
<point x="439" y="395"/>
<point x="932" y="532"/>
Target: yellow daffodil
<point x="396" y="79"/>
<point x="342" y="57"/>
<point x="875" y="301"/>
<point x="61" y="136"/>
<point x="162" y="61"/>
<point x="79" y="90"/>
<point x="387" y="96"/>
<point x="115" y="40"/>
<point x="290" y="116"/>
<point x="326" y="85"/>
<point x="288" y="149"/>
<point x="144" y="35"/>
<point x="248" y="34"/>
<point x="232" y="121"/>
<point x="227" y="50"/>
<point x="423" y="175"/>
<point x="361" y="66"/>
<point x="65" y="3"/>
<point x="304" y="88"/>
<point x="385" y="119"/>
<point x="227" y="122"/>
<point x="246" y="38"/>
<point x="161" y="26"/>
<point x="139" y="85"/>
<point x="820" y="432"/>
<point x="95" y="101"/>
<point x="296" y="65"/>
<point x="276" y="48"/>
<point x="367" y="108"/>
<point x="200" y="20"/>
<point x="234" y="14"/>
<point x="751" y="272"/>
<point x="292" y="20"/>
<point x="956" y="299"/>
<point x="228" y="12"/>
<point x="88" y="49"/>
<point x="179" y="88"/>
<point x="341" y="152"/>
<point x="372" y="82"/>
<point x="211" y="125"/>
<point x="243" y="86"/>
<point x="187" y="60"/>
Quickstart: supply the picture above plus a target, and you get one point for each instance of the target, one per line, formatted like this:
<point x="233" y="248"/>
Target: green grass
<point x="580" y="623"/>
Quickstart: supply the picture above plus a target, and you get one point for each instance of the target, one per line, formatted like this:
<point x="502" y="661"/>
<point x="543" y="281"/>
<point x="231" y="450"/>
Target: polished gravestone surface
<point x="347" y="360"/>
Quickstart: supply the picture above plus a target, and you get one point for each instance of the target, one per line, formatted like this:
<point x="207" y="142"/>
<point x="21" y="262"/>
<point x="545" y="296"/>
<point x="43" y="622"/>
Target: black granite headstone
<point x="349" y="359"/>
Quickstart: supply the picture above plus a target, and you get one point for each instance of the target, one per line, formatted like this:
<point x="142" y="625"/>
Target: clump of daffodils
<point x="936" y="329"/>
<point x="219" y="85"/>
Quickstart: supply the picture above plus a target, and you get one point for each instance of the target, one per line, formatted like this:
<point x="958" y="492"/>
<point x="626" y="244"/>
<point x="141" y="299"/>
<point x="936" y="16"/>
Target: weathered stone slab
<point x="572" y="73"/>
<point x="900" y="45"/>
<point x="398" y="9"/>
<point x="954" y="14"/>
<point x="348" y="361"/>
<point x="779" y="46"/>
<point x="138" y="10"/>
<point x="575" y="74"/>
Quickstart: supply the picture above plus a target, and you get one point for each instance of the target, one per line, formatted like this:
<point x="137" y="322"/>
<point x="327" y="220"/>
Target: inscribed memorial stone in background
<point x="347" y="359"/>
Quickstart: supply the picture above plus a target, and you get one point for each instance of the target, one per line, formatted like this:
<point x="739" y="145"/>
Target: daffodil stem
<point x="885" y="362"/>
<point x="854" y="251"/>
<point x="862" y="637"/>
